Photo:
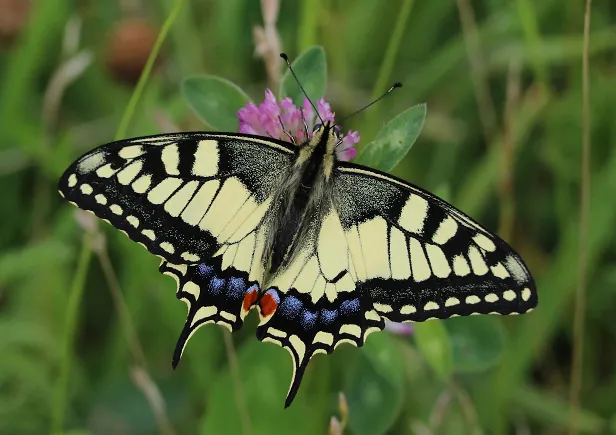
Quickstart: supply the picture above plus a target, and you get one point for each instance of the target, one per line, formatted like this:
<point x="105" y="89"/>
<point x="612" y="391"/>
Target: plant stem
<point x="580" y="305"/>
<point x="528" y="19"/>
<point x="124" y="317"/>
<point x="240" y="397"/>
<point x="392" y="49"/>
<point x="72" y="312"/>
<point x="487" y="112"/>
<point x="308" y="25"/>
<point x="507" y="198"/>
<point x="147" y="70"/>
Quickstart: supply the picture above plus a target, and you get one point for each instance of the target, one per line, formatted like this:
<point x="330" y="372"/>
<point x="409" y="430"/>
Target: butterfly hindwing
<point x="313" y="305"/>
<point x="212" y="295"/>
<point x="420" y="258"/>
<point x="225" y="288"/>
<point x="180" y="195"/>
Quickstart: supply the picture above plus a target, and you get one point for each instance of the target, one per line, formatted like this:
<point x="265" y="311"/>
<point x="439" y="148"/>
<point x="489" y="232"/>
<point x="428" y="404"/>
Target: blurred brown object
<point x="13" y="18"/>
<point x="128" y="48"/>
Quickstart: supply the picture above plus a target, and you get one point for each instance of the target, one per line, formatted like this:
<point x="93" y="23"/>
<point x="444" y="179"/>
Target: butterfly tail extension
<point x="212" y="296"/>
<point x="296" y="380"/>
<point x="181" y="344"/>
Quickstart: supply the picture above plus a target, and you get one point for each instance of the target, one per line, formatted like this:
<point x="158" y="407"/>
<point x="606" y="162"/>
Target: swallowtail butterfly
<point x="325" y="250"/>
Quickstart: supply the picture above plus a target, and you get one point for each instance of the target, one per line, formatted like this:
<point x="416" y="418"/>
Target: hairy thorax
<point x="303" y="199"/>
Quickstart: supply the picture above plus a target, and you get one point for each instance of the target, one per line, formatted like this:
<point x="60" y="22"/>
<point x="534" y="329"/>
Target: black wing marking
<point x="418" y="257"/>
<point x="180" y="195"/>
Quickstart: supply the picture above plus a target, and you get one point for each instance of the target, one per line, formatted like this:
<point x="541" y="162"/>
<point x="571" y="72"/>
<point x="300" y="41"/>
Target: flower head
<point x="269" y="117"/>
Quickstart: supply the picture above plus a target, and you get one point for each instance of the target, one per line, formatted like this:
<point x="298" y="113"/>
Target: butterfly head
<point x="326" y="135"/>
<point x="327" y="127"/>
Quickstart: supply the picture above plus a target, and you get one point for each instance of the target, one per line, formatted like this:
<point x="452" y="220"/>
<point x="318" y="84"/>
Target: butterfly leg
<point x="285" y="131"/>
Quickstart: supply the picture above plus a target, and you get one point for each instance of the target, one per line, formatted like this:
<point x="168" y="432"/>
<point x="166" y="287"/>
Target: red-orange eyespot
<point x="250" y="298"/>
<point x="269" y="302"/>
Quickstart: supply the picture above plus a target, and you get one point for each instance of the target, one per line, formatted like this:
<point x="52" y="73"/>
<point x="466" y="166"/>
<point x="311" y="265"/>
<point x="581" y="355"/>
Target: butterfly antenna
<point x="394" y="86"/>
<point x="286" y="59"/>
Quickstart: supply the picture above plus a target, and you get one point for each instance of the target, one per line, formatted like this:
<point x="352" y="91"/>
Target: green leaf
<point x="433" y="342"/>
<point x="265" y="374"/>
<point x="394" y="140"/>
<point x="311" y="70"/>
<point x="477" y="342"/>
<point x="215" y="100"/>
<point x="374" y="386"/>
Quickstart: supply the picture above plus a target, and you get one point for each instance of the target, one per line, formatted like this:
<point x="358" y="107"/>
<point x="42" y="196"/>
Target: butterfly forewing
<point x="182" y="195"/>
<point x="418" y="257"/>
<point x="199" y="201"/>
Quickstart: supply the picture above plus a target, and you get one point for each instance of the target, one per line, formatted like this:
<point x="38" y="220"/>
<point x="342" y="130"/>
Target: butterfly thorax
<point x="303" y="198"/>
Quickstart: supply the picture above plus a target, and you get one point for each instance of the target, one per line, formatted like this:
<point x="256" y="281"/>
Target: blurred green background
<point x="88" y="325"/>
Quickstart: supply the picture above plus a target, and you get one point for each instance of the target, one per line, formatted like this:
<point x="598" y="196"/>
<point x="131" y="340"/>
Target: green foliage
<point x="311" y="68"/>
<point x="470" y="375"/>
<point x="215" y="100"/>
<point x="374" y="386"/>
<point x="394" y="140"/>
<point x="477" y="343"/>
<point x="433" y="342"/>
<point x="264" y="381"/>
<point x="18" y="263"/>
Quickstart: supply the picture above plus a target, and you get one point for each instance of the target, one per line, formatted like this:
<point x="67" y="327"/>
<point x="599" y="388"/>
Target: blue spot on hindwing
<point x="204" y="270"/>
<point x="290" y="307"/>
<point x="216" y="285"/>
<point x="236" y="287"/>
<point x="328" y="316"/>
<point x="308" y="319"/>
<point x="349" y="307"/>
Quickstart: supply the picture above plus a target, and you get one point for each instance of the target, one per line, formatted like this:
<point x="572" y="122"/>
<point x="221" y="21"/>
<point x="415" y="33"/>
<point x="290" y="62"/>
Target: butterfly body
<point x="325" y="250"/>
<point x="302" y="196"/>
